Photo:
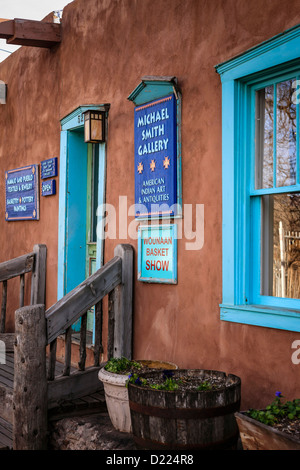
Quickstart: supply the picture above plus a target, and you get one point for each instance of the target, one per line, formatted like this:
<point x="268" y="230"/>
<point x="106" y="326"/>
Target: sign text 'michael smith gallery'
<point x="172" y="126"/>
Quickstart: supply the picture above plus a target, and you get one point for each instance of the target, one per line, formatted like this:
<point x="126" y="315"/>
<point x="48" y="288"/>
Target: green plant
<point x="168" y="384"/>
<point x="204" y="386"/>
<point x="277" y="410"/>
<point x="121" y="364"/>
<point x="135" y="379"/>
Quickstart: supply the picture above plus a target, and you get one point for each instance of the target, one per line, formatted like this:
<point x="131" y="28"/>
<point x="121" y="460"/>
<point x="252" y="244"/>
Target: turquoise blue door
<point x="81" y="189"/>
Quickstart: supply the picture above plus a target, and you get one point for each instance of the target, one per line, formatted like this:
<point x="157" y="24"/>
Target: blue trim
<point x="62" y="215"/>
<point x="101" y="202"/>
<point x="282" y="319"/>
<point x="276" y="51"/>
<point x="150" y="89"/>
<point x="297" y="135"/>
<point x="75" y="253"/>
<point x="240" y="77"/>
<point x="74" y="120"/>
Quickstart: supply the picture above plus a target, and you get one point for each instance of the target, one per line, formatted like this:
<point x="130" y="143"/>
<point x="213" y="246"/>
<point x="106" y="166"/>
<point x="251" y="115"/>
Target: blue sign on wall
<point x="49" y="168"/>
<point x="22" y="193"/>
<point x="48" y="188"/>
<point x="157" y="253"/>
<point x="155" y="148"/>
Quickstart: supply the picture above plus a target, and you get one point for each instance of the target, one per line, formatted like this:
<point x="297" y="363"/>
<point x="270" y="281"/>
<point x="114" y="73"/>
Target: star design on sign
<point x="166" y="163"/>
<point x="20" y="200"/>
<point x="34" y="213"/>
<point x="152" y="165"/>
<point x="140" y="168"/>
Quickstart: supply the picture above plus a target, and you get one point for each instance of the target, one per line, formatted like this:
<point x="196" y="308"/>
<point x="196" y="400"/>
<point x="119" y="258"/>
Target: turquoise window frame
<point x="240" y="77"/>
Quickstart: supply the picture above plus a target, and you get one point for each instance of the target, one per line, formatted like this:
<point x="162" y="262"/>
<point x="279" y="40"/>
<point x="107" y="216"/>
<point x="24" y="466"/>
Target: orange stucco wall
<point x="107" y="47"/>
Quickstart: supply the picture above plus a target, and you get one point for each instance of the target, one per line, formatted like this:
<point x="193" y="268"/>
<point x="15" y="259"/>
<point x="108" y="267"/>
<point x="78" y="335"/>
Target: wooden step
<point x="89" y="404"/>
<point x="6" y="435"/>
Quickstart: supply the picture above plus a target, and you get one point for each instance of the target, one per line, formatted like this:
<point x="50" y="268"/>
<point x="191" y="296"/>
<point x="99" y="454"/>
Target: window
<point x="261" y="184"/>
<point x="275" y="192"/>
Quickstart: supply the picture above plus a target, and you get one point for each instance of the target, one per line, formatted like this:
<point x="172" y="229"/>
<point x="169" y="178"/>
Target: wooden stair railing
<point x="34" y="392"/>
<point x="31" y="271"/>
<point x="34" y="262"/>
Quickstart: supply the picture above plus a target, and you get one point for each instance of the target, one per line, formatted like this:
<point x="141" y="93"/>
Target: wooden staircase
<point x="34" y="386"/>
<point x="91" y="403"/>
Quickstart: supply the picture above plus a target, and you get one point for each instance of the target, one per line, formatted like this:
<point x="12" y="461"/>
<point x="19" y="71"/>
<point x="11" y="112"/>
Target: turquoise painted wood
<point x="101" y="206"/>
<point x="72" y="201"/>
<point x="76" y="210"/>
<point x="240" y="77"/>
<point x="152" y="89"/>
<point x="274" y="52"/>
<point x="282" y="319"/>
<point x="62" y="215"/>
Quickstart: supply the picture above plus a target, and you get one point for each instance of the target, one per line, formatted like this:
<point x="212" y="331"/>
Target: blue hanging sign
<point x="155" y="144"/>
<point x="48" y="188"/>
<point x="22" y="193"/>
<point x="157" y="253"/>
<point x="49" y="168"/>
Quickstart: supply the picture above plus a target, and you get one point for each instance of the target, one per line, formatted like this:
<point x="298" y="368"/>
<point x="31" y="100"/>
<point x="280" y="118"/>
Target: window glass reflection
<point x="285" y="135"/>
<point x="281" y="245"/>
<point x="264" y="137"/>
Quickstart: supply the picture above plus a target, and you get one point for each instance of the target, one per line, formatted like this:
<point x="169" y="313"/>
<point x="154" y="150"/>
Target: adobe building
<point x="200" y="112"/>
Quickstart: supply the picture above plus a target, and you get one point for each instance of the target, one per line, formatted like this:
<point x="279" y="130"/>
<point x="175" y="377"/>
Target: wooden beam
<point x="6" y="29"/>
<point x="121" y="306"/>
<point x="76" y="385"/>
<point x="30" y="382"/>
<point x="30" y="33"/>
<point x="38" y="280"/>
<point x="17" y="266"/>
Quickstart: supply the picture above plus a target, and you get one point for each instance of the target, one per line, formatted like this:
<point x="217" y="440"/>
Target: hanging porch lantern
<point x="94" y="126"/>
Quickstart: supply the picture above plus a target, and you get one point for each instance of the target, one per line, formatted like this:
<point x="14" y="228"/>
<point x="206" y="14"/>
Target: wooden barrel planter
<point x="186" y="419"/>
<point x="116" y="393"/>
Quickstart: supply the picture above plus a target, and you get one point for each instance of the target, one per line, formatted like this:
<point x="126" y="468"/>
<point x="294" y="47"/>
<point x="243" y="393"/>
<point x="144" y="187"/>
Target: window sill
<point x="258" y="315"/>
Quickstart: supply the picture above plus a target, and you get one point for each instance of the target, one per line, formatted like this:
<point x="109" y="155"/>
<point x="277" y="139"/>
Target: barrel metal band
<point x="229" y="442"/>
<point x="184" y="413"/>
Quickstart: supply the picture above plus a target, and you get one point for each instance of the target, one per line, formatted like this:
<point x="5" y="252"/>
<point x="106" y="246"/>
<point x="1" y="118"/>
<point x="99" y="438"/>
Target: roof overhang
<point x="30" y="32"/>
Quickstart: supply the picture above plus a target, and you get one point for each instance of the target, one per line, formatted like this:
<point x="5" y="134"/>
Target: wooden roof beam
<point x="30" y="33"/>
<point x="6" y="29"/>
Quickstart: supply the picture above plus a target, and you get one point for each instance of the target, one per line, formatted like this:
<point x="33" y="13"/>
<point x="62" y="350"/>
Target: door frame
<point x="72" y="122"/>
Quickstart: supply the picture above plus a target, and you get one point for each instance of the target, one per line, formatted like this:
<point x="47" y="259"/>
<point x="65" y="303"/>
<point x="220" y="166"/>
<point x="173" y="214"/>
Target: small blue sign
<point x="48" y="188"/>
<point x="22" y="193"/>
<point x="155" y="147"/>
<point x="157" y="253"/>
<point x="49" y="168"/>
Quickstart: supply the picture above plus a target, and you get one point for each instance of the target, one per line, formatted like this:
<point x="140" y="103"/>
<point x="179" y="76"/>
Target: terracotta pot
<point x="116" y="393"/>
<point x="258" y="436"/>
